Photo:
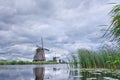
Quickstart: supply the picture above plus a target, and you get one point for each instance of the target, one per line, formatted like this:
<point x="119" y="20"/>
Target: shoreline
<point x="27" y="63"/>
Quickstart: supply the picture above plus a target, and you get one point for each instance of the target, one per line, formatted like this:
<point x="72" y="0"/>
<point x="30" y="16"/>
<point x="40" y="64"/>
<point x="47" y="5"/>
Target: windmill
<point x="40" y="52"/>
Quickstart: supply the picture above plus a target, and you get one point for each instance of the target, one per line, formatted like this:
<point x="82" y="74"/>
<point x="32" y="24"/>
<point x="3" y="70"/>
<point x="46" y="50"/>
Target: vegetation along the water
<point x="106" y="58"/>
<point x="26" y="62"/>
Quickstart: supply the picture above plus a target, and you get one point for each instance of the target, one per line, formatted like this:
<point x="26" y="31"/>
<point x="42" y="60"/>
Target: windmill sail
<point x="43" y="53"/>
<point x="42" y="43"/>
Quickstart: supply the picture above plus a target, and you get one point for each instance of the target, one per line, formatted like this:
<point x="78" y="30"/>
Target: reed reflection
<point x="39" y="73"/>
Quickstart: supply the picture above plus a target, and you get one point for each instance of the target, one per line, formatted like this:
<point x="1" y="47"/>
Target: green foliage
<point x="23" y="62"/>
<point x="115" y="23"/>
<point x="74" y="61"/>
<point x="100" y="59"/>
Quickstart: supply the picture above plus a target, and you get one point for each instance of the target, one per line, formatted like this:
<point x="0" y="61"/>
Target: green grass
<point x="24" y="62"/>
<point x="106" y="58"/>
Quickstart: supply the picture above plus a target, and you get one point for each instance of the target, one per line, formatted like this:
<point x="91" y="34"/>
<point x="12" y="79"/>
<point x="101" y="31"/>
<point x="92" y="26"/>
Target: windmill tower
<point x="40" y="55"/>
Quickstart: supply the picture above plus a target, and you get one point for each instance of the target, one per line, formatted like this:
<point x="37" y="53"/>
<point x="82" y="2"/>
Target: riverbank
<point x="27" y="62"/>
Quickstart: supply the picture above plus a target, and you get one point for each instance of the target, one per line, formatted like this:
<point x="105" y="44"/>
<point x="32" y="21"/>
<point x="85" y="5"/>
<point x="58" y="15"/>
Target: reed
<point x="106" y="58"/>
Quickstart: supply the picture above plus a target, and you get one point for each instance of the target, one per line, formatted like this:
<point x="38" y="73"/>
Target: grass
<point x="24" y="62"/>
<point x="106" y="58"/>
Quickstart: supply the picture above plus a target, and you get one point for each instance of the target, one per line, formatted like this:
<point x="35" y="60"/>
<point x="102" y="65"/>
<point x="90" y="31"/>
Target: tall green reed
<point x="105" y="58"/>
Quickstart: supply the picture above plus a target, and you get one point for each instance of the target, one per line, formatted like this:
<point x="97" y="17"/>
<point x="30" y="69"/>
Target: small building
<point x="56" y="59"/>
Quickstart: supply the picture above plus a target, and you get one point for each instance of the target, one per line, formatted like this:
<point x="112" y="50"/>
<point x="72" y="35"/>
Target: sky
<point x="65" y="25"/>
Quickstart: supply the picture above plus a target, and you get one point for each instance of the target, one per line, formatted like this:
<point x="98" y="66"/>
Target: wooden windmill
<point x="40" y="52"/>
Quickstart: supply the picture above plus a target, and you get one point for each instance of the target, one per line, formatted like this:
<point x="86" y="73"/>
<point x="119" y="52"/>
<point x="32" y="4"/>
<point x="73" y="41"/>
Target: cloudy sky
<point x="65" y="26"/>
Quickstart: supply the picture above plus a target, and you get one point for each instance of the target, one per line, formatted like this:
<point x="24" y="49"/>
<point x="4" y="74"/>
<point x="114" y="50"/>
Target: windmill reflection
<point x="39" y="73"/>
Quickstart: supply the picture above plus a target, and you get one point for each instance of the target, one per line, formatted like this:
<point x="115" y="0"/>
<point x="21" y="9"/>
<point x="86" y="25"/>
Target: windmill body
<point x="40" y="55"/>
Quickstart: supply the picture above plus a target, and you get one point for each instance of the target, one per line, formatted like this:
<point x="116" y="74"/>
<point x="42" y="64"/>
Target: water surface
<point x="51" y="72"/>
<point x="34" y="72"/>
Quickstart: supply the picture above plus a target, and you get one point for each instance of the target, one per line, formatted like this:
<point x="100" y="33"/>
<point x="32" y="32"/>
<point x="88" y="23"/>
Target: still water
<point x="48" y="72"/>
<point x="34" y="72"/>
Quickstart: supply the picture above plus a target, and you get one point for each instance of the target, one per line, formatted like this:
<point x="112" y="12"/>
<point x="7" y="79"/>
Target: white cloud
<point x="65" y="25"/>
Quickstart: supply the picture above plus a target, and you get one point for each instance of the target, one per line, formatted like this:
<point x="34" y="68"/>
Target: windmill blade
<point x="42" y="42"/>
<point x="37" y="46"/>
<point x="46" y="49"/>
<point x="43" y="45"/>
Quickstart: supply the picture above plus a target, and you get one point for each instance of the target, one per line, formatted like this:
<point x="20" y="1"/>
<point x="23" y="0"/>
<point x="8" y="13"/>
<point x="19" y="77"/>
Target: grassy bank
<point x="107" y="58"/>
<point x="24" y="62"/>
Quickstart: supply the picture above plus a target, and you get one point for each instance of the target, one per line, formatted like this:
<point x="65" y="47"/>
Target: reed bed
<point x="106" y="58"/>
